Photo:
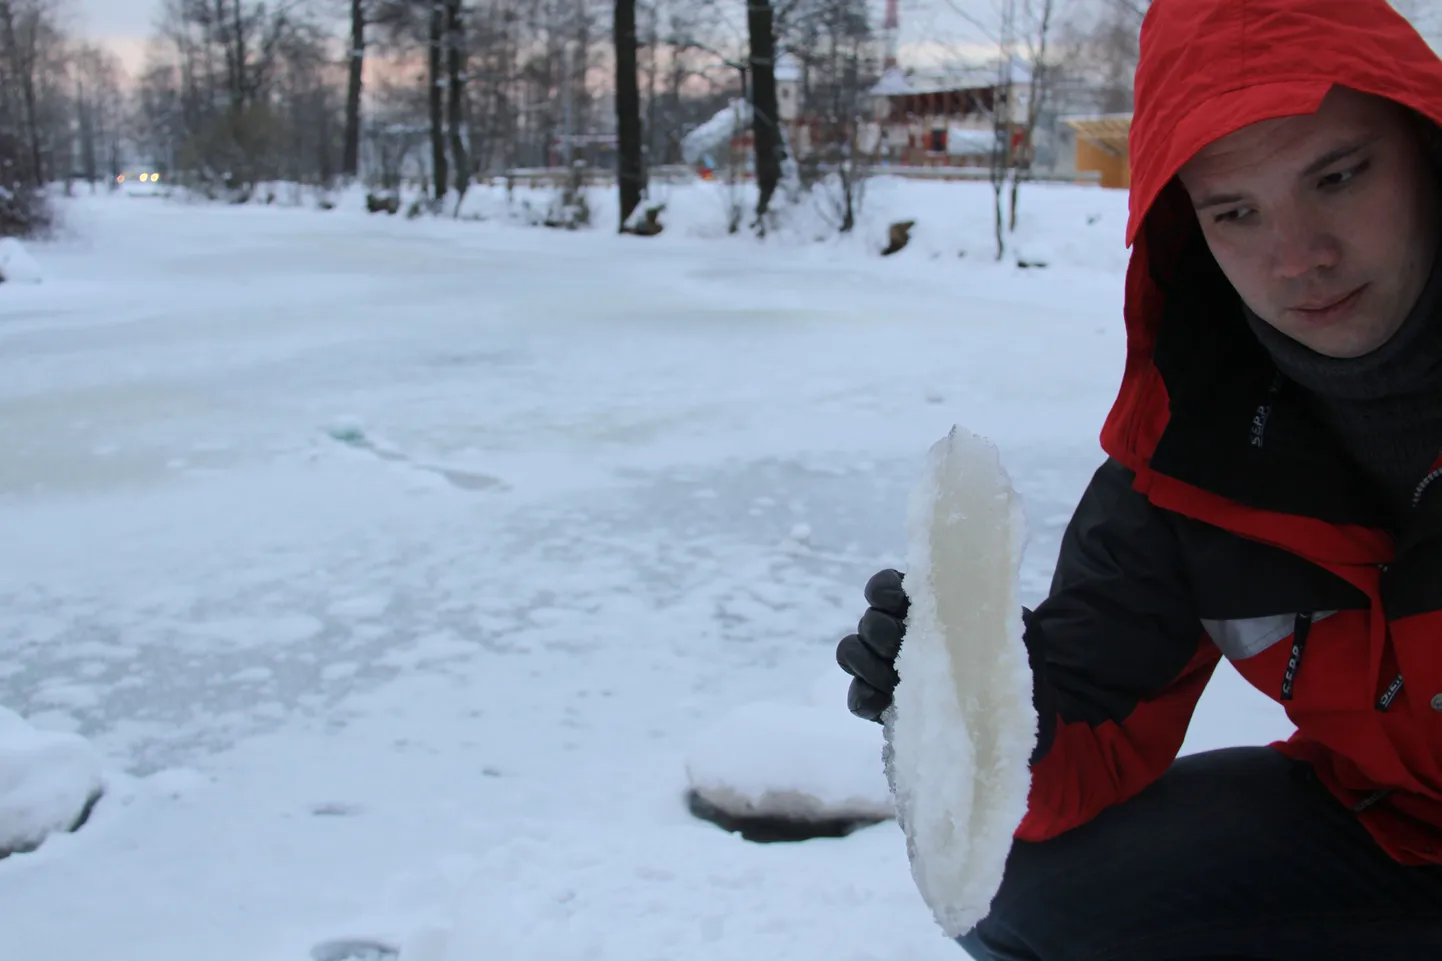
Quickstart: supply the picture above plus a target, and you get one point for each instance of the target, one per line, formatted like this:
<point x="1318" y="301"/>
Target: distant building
<point x="951" y="120"/>
<point x="943" y="121"/>
<point x="1102" y="147"/>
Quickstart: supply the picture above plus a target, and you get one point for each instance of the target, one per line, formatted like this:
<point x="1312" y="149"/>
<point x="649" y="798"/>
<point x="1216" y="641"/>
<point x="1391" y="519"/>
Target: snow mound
<point x="962" y="728"/>
<point x="48" y="782"/>
<point x="16" y="264"/>
<point x="790" y="762"/>
<point x="716" y="132"/>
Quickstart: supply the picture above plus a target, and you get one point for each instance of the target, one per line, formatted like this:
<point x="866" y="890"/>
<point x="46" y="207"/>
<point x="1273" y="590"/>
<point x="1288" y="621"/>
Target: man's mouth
<point x="1333" y="308"/>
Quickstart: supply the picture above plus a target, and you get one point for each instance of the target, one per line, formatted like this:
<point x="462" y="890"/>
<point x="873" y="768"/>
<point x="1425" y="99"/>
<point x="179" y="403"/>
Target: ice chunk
<point x="962" y="728"/>
<point x="48" y="782"/>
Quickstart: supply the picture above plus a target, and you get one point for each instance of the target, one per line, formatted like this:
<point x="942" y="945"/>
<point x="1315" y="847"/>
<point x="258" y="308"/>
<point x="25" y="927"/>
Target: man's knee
<point x="1042" y="887"/>
<point x="1068" y="897"/>
<point x="989" y="942"/>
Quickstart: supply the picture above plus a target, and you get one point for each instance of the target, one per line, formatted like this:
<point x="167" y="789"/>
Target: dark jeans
<point x="1232" y="855"/>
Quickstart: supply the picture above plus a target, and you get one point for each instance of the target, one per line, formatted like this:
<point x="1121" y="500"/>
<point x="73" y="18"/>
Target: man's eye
<point x="1235" y="215"/>
<point x="1343" y="177"/>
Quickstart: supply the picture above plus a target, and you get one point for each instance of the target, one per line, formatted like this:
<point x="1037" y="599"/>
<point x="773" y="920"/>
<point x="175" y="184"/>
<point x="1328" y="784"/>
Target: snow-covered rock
<point x="48" y="782"/>
<point x="16" y="264"/>
<point x="808" y="763"/>
<point x="962" y="728"/>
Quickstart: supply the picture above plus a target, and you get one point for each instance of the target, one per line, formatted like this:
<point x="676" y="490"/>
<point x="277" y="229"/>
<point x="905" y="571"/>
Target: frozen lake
<point x="397" y="563"/>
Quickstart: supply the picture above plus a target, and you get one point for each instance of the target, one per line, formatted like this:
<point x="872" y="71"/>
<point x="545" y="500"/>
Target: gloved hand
<point x="869" y="655"/>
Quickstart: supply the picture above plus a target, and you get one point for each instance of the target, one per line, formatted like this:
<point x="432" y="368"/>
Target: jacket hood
<point x="1207" y="69"/>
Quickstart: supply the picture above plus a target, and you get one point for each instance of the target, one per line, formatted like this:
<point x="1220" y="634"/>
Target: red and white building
<point x="950" y="120"/>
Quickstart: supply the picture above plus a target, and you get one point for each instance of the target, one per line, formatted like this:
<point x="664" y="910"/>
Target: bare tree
<point x="456" y="76"/>
<point x="766" y="129"/>
<point x="833" y="42"/>
<point x="630" y="171"/>
<point x="355" y="72"/>
<point x="237" y="92"/>
<point x="435" y="37"/>
<point x="411" y="27"/>
<point x="393" y="137"/>
<point x="1002" y="115"/>
<point x="21" y="26"/>
<point x="99" y="108"/>
<point x="649" y="111"/>
<point x="1099" y="47"/>
<point x="35" y="106"/>
<point x="1036" y="24"/>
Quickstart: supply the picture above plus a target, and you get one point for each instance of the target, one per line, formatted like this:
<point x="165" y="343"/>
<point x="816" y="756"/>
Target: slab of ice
<point x="962" y="728"/>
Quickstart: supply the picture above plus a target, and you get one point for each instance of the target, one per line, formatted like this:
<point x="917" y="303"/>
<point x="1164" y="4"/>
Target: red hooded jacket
<point x="1196" y="541"/>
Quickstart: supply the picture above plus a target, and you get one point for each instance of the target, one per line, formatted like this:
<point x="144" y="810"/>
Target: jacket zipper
<point x="1300" y="630"/>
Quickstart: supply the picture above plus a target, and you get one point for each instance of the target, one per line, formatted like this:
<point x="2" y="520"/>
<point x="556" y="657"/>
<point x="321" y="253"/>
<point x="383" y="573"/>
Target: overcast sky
<point x="124" y="25"/>
<point x="116" y="17"/>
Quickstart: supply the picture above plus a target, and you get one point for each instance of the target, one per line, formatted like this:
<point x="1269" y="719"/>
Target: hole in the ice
<point x="354" y="949"/>
<point x="771" y="829"/>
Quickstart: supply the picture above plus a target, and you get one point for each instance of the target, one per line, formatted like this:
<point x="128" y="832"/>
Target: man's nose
<point x="1300" y="248"/>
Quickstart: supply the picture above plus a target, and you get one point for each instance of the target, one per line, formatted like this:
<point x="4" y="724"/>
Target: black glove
<point x="869" y="655"/>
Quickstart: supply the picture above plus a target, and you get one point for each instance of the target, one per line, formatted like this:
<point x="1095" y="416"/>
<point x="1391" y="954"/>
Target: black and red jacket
<point x="1227" y="520"/>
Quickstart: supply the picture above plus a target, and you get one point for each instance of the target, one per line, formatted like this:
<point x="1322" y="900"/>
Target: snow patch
<point x="49" y="780"/>
<point x="248" y="632"/>
<point x="16" y="264"/>
<point x="67" y="695"/>
<point x="176" y="783"/>
<point x="438" y="646"/>
<point x="793" y="762"/>
<point x="339" y="671"/>
<point x="962" y="728"/>
<point x="359" y="607"/>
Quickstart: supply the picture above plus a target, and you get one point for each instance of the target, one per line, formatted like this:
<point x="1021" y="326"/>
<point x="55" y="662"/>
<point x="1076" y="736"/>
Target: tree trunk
<point x="581" y="91"/>
<point x="24" y="65"/>
<point x="761" y="29"/>
<point x="630" y="169"/>
<point x="350" y="160"/>
<point x="1037" y="89"/>
<point x="88" y="154"/>
<point x="456" y="94"/>
<point x="433" y="75"/>
<point x="240" y="59"/>
<point x="1001" y="157"/>
<point x="649" y="150"/>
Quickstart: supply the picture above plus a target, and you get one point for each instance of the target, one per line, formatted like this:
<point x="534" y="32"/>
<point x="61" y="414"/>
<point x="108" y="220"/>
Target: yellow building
<point x="1101" y="147"/>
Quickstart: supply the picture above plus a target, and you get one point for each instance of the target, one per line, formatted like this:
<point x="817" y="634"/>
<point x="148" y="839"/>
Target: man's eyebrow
<point x="1313" y="168"/>
<point x="1341" y="153"/>
<point x="1218" y="200"/>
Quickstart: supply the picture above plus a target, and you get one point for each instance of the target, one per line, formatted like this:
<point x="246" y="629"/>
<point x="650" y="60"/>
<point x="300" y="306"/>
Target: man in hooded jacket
<point x="1272" y="494"/>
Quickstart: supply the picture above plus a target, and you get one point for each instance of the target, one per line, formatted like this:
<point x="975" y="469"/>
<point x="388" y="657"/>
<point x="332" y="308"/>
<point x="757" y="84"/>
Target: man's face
<point x="1326" y="224"/>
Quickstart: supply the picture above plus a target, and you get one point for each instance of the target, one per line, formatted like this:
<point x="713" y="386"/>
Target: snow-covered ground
<point x="396" y="567"/>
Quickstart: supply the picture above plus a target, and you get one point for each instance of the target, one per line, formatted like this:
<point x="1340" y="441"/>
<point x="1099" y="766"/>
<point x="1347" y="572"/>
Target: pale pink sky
<point x="123" y="25"/>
